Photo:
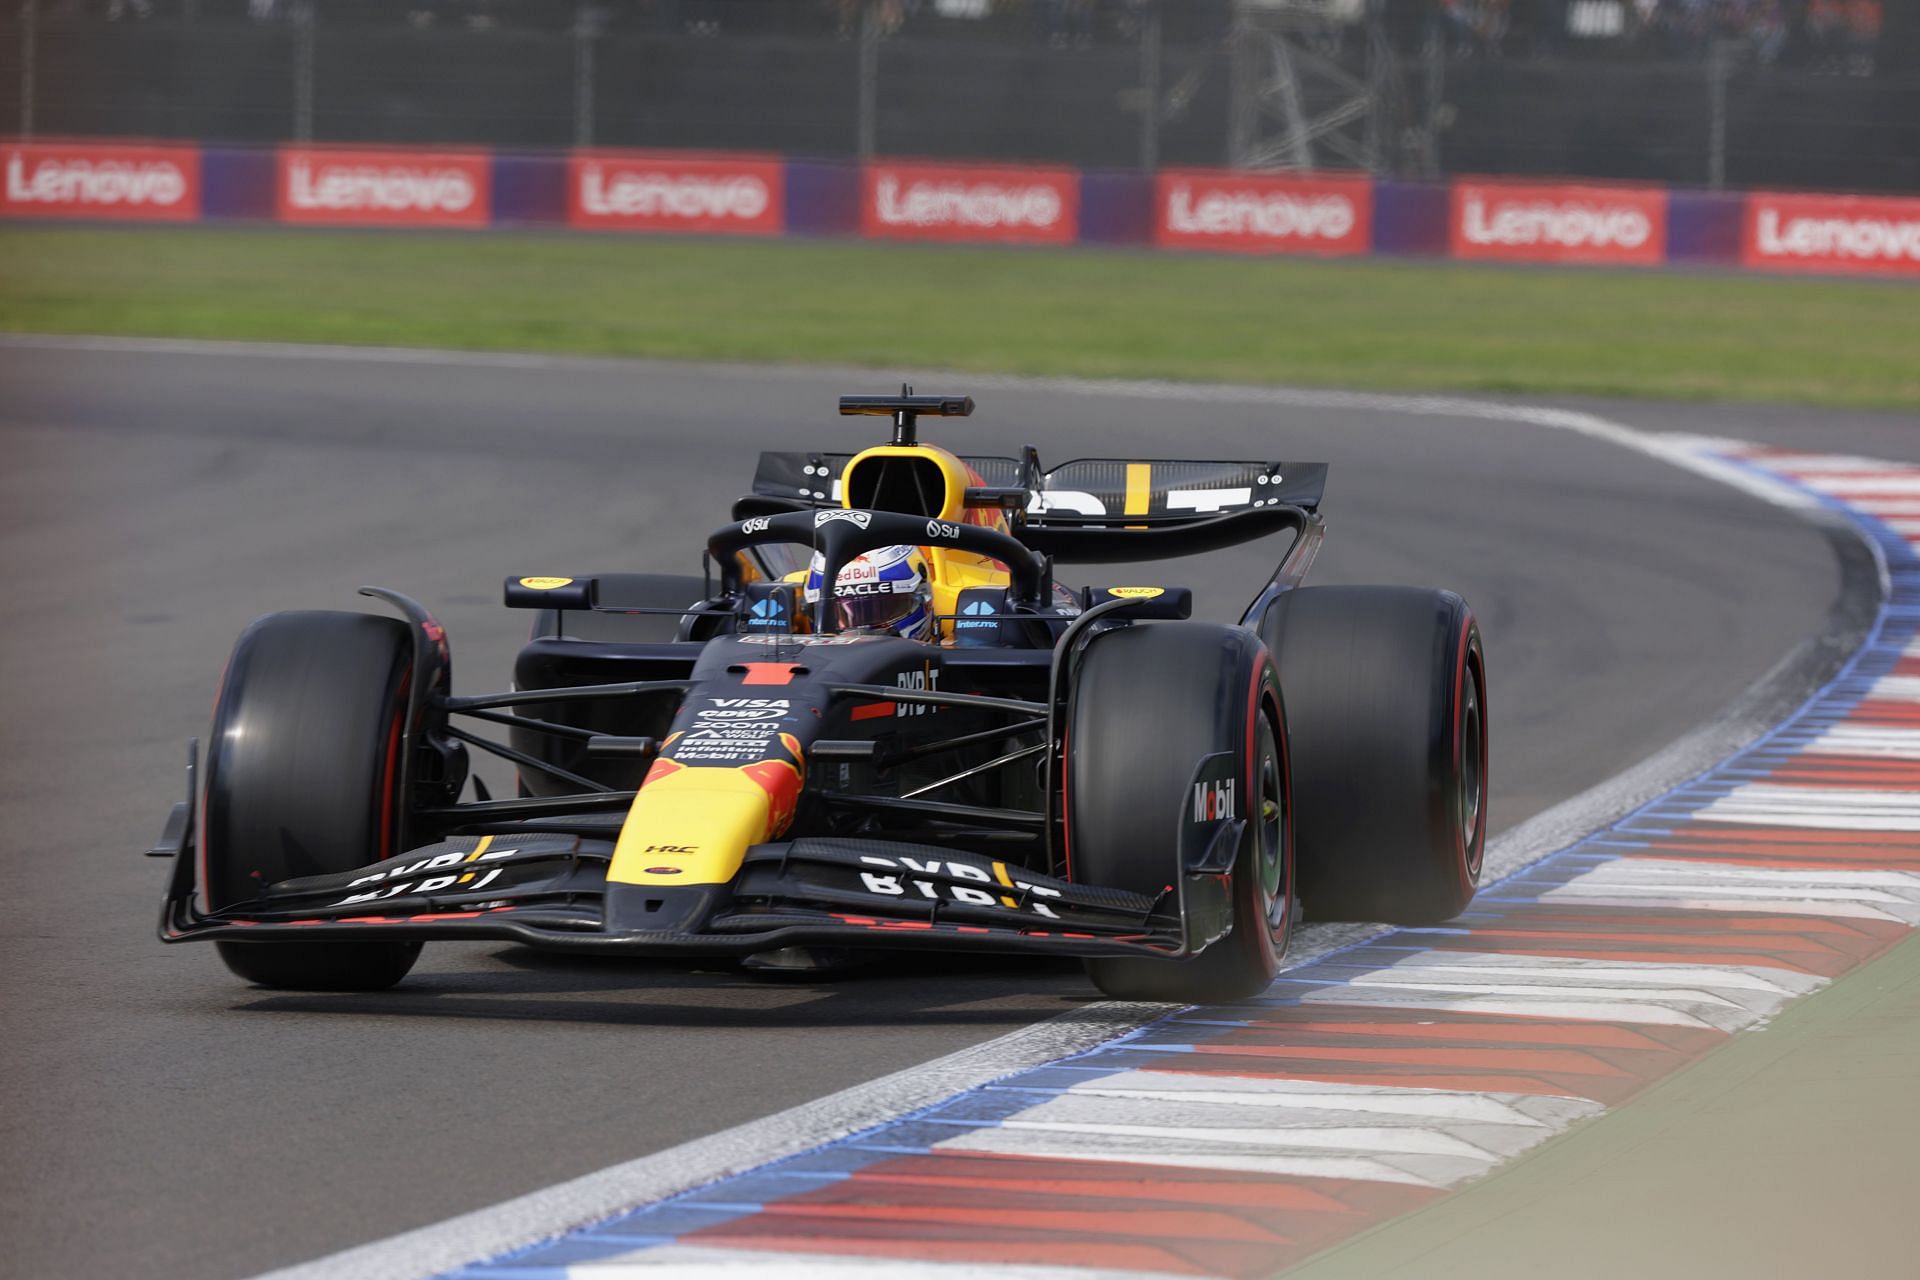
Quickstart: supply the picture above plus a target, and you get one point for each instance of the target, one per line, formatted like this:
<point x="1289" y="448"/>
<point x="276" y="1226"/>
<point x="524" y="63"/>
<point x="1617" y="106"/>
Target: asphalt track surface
<point x="163" y="1119"/>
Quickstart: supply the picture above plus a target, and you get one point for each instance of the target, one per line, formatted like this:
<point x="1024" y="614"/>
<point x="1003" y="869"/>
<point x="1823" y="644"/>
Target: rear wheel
<point x="1149" y="702"/>
<point x="1387" y="704"/>
<point x="302" y="779"/>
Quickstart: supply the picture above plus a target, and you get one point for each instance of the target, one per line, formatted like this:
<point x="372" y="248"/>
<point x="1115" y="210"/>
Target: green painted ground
<point x="1789" y="1152"/>
<point x="1397" y="325"/>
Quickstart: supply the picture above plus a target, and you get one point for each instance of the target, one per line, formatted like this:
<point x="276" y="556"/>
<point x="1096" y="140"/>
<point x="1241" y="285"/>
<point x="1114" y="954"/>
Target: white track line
<point x="542" y="1214"/>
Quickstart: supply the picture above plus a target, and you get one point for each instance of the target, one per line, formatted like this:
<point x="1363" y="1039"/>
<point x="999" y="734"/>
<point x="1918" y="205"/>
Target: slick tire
<point x="1148" y="702"/>
<point x="1387" y="703"/>
<point x="627" y="591"/>
<point x="302" y="779"/>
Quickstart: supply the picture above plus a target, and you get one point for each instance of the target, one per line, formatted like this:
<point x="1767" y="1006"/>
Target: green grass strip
<point x="1093" y="313"/>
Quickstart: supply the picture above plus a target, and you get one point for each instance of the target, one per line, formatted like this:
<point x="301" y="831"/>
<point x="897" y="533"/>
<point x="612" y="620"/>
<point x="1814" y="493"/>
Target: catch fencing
<point x="1474" y="218"/>
<point x="1090" y="84"/>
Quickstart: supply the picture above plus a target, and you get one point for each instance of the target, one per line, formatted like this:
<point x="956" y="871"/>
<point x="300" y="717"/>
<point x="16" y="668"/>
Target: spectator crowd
<point x="1775" y="31"/>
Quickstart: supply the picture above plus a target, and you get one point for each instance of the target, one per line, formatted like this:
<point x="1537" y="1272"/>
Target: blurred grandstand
<point x="1789" y="93"/>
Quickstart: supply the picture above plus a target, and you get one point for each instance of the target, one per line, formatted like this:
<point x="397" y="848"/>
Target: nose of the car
<point x="693" y="825"/>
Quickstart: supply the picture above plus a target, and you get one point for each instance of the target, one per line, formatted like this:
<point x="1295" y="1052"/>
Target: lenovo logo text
<point x="1567" y="225"/>
<point x="671" y="196"/>
<point x="384" y="188"/>
<point x="86" y="182"/>
<point x="1861" y="239"/>
<point x="1274" y="216"/>
<point x="985" y="205"/>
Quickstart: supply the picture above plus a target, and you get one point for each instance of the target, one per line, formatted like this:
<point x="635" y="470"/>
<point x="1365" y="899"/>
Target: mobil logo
<point x="1255" y="213"/>
<point x="100" y="180"/>
<point x="1213" y="801"/>
<point x="1879" y="234"/>
<point x="647" y="191"/>
<point x="1531" y="222"/>
<point x="970" y="202"/>
<point x="388" y="187"/>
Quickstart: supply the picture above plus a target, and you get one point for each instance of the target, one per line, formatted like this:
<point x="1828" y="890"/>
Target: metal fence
<point x="1413" y="90"/>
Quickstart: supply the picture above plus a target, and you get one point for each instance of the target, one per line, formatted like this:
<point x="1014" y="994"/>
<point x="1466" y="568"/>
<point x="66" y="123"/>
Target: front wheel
<point x="1149" y="702"/>
<point x="302" y="779"/>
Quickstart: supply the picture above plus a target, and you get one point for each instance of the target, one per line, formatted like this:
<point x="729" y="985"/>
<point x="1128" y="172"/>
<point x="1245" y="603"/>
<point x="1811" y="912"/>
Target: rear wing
<point x="1087" y="493"/>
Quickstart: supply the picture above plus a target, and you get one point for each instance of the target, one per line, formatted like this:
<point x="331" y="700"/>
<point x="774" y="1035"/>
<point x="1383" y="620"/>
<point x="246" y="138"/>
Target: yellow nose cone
<point x="695" y="825"/>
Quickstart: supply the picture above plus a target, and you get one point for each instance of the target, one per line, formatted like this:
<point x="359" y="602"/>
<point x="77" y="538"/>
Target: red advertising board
<point x="1263" y="213"/>
<point x="99" y="180"/>
<point x="665" y="191"/>
<point x="1832" y="233"/>
<point x="384" y="188"/>
<point x="1532" y="222"/>
<point x="970" y="202"/>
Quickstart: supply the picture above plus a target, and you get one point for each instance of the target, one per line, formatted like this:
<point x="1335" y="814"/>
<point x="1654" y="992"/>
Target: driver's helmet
<point x="885" y="589"/>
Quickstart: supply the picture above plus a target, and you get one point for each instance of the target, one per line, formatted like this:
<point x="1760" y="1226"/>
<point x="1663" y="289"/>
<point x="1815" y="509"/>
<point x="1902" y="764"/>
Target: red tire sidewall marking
<point x="1469" y="871"/>
<point x="390" y="770"/>
<point x="1263" y="669"/>
<point x="1066" y="800"/>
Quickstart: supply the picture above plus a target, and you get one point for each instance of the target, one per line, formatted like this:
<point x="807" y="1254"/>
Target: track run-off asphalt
<point x="165" y="1119"/>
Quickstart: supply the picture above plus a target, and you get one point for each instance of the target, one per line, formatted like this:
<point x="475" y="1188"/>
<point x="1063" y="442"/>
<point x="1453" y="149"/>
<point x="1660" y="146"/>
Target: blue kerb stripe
<point x="732" y="1198"/>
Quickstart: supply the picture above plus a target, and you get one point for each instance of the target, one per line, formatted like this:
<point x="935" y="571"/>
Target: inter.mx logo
<point x="1213" y="801"/>
<point x="978" y="614"/>
<point x="767" y="612"/>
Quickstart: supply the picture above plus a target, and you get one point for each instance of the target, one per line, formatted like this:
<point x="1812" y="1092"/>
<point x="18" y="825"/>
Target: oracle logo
<point x="1559" y="223"/>
<point x="1824" y="233"/>
<point x="1260" y="214"/>
<point x="673" y="193"/>
<point x="971" y="204"/>
<point x="100" y="181"/>
<point x="388" y="187"/>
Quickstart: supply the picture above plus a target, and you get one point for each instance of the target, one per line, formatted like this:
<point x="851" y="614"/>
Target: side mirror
<point x="552" y="593"/>
<point x="1166" y="603"/>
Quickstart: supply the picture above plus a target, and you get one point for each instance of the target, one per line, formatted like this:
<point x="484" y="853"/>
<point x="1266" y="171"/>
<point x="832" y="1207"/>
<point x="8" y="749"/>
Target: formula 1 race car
<point x="881" y="724"/>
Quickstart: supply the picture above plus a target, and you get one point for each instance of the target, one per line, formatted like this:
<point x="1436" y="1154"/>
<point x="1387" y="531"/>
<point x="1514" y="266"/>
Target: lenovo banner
<point x="1527" y="222"/>
<point x="1832" y="233"/>
<point x="1254" y="213"/>
<point x="384" y="188"/>
<point x="946" y="202"/>
<point x="94" y="180"/>
<point x="643" y="191"/>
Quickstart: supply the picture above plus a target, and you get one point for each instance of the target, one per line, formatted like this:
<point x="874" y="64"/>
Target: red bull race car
<point x="878" y="720"/>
